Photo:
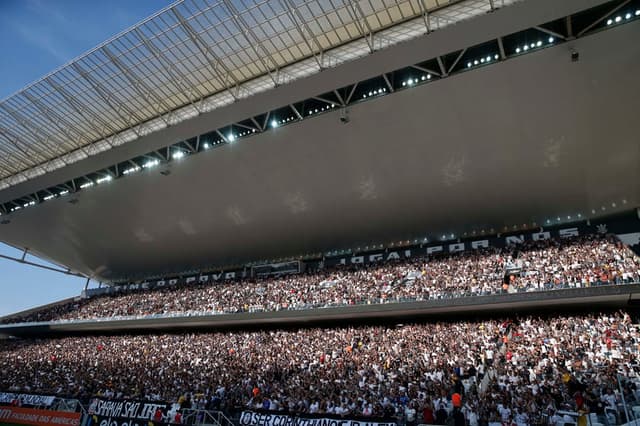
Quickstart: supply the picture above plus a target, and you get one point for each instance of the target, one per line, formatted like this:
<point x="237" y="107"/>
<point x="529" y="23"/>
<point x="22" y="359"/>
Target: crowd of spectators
<point x="532" y="266"/>
<point x="520" y="370"/>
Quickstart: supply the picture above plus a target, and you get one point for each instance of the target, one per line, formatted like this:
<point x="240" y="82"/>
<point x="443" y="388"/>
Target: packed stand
<point x="533" y="266"/>
<point x="522" y="370"/>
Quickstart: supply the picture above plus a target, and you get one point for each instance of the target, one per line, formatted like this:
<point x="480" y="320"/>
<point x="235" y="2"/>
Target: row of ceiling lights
<point x="619" y="18"/>
<point x="483" y="60"/>
<point x="231" y="137"/>
<point x="411" y="81"/>
<point x="534" y="45"/>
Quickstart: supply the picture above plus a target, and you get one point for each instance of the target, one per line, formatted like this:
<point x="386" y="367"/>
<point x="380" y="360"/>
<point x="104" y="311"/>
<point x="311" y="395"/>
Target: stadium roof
<point x="509" y="144"/>
<point x="192" y="57"/>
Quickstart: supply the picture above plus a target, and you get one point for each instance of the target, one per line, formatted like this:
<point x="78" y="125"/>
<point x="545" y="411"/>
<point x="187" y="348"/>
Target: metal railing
<point x="326" y="305"/>
<point x="205" y="417"/>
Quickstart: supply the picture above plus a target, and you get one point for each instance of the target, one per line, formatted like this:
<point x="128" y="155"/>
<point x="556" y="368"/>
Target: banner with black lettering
<point x="129" y="412"/>
<point x="253" y="418"/>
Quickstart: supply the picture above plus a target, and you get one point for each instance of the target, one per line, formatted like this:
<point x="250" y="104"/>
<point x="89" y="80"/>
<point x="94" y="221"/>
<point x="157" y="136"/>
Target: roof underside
<point x="193" y="57"/>
<point x="512" y="145"/>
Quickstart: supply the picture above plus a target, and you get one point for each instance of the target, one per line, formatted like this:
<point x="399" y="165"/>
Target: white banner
<point x="26" y="399"/>
<point x="251" y="418"/>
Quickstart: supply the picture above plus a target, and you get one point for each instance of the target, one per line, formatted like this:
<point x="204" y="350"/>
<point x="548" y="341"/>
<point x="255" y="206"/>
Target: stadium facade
<point x="333" y="213"/>
<point x="377" y="150"/>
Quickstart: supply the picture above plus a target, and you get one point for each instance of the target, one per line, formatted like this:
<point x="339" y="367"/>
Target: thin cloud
<point x="42" y="40"/>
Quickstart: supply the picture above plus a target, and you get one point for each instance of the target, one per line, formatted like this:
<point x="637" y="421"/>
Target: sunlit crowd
<point x="518" y="370"/>
<point x="533" y="266"/>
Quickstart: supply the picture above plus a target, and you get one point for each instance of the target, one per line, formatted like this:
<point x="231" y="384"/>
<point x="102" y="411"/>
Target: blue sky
<point x="36" y="37"/>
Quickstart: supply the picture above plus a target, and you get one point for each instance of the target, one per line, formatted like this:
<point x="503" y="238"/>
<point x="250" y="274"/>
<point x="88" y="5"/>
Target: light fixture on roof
<point x="551" y="39"/>
<point x="231" y="137"/>
<point x="627" y="16"/>
<point x="131" y="170"/>
<point x="618" y="19"/>
<point x="525" y="47"/>
<point x="274" y="123"/>
<point x="151" y="163"/>
<point x="517" y="50"/>
<point x="469" y="64"/>
<point x="63" y="193"/>
<point x="48" y="197"/>
<point x="104" y="179"/>
<point x="86" y="185"/>
<point x="496" y="56"/>
<point x="637" y="12"/>
<point x="205" y="145"/>
<point x="177" y="155"/>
